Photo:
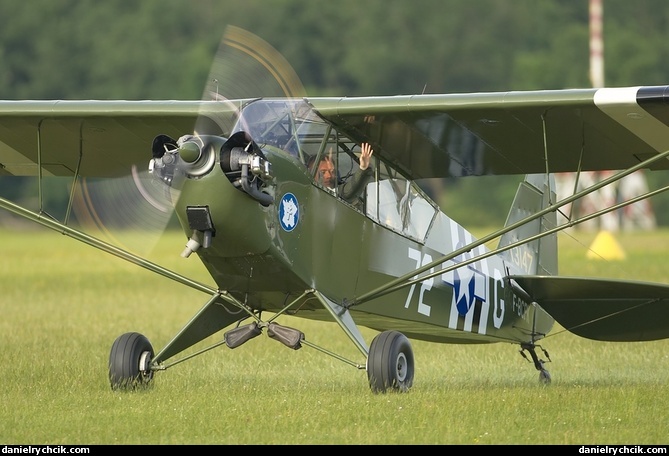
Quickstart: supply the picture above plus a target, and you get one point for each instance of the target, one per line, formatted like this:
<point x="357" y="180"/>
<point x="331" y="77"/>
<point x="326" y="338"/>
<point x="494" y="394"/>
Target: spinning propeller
<point x="133" y="211"/>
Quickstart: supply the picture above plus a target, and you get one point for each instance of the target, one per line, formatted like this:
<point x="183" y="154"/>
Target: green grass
<point x="63" y="304"/>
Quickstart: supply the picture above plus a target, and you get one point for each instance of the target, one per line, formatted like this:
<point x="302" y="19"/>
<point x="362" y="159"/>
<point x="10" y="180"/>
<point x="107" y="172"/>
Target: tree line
<point x="163" y="49"/>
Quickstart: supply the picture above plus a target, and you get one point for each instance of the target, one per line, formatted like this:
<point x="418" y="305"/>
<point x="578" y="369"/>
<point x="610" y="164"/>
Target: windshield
<point x="289" y="125"/>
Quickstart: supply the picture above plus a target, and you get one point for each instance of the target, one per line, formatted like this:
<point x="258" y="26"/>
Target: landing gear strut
<point x="544" y="375"/>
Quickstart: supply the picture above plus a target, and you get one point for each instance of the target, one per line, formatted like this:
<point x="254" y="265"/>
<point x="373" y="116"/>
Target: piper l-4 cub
<point x="278" y="241"/>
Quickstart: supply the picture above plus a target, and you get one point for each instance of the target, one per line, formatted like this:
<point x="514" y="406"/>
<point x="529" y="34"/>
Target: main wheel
<point x="129" y="361"/>
<point x="390" y="364"/>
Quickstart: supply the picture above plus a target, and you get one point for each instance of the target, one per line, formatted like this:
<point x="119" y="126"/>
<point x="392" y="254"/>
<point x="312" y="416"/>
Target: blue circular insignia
<point x="289" y="212"/>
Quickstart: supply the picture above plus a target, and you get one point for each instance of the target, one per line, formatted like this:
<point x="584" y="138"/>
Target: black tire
<point x="390" y="364"/>
<point x="129" y="361"/>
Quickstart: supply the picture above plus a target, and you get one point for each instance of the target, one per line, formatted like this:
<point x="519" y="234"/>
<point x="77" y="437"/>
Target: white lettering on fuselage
<point x="520" y="308"/>
<point x="522" y="257"/>
<point x="498" y="285"/>
<point x="425" y="285"/>
<point x="473" y="294"/>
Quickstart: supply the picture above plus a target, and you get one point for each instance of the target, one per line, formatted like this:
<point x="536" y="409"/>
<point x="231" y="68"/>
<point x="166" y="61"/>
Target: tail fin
<point x="538" y="257"/>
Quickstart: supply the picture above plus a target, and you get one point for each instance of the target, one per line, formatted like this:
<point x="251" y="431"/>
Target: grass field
<point x="63" y="304"/>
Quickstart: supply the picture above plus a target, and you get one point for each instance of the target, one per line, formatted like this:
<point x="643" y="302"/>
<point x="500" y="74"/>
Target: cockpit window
<point x="292" y="126"/>
<point x="289" y="125"/>
<point x="399" y="204"/>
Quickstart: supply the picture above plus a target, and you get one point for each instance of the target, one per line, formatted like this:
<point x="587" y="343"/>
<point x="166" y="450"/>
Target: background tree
<point x="162" y="49"/>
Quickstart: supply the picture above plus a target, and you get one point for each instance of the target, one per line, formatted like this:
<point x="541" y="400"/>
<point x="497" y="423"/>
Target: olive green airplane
<point x="369" y="248"/>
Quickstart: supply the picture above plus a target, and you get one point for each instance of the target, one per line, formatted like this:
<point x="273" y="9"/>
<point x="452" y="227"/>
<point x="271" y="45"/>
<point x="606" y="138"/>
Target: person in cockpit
<point x="326" y="173"/>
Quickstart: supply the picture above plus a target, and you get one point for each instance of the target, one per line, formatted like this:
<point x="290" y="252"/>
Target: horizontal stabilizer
<point x="607" y="310"/>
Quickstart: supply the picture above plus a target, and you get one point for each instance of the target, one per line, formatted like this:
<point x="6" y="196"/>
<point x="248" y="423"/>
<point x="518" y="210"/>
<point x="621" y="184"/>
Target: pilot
<point x="349" y="190"/>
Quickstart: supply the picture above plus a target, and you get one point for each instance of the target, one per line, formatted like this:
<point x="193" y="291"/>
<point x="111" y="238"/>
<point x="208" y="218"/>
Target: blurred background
<point x="163" y="49"/>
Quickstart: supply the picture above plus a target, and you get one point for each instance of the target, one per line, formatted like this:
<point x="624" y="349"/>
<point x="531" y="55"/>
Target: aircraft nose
<point x="189" y="152"/>
<point x="222" y="220"/>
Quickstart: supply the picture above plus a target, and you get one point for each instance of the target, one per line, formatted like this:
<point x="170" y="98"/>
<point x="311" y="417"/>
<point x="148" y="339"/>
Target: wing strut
<point x="510" y="246"/>
<point x="75" y="177"/>
<point x="104" y="246"/>
<point x="406" y="280"/>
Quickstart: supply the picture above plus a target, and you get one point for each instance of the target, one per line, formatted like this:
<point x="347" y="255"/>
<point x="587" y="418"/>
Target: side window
<point x="420" y="213"/>
<point x="386" y="198"/>
<point x="346" y="165"/>
<point x="397" y="203"/>
<point x="336" y="168"/>
<point x="353" y="180"/>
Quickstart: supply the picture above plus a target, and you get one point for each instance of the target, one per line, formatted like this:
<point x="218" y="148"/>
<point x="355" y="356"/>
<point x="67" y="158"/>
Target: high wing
<point x="509" y="133"/>
<point x="97" y="138"/>
<point x="424" y="135"/>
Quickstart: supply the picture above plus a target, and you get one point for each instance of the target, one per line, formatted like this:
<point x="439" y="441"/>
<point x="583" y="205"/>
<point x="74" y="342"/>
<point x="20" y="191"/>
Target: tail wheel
<point x="544" y="377"/>
<point x="390" y="364"/>
<point x="129" y="362"/>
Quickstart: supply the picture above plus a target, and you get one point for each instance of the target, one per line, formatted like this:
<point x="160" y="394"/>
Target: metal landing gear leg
<point x="544" y="375"/>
